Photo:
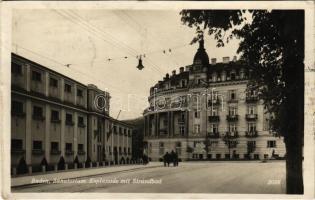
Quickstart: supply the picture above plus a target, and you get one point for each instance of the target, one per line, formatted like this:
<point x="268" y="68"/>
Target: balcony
<point x="213" y="102"/>
<point x="57" y="121"/>
<point x="232" y="101"/>
<point x="251" y="134"/>
<point x="232" y="118"/>
<point x="163" y="131"/>
<point x="181" y="121"/>
<point x="55" y="152"/>
<point x="17" y="151"/>
<point x="81" y="125"/>
<point x="69" y="152"/>
<point x="69" y="123"/>
<point x="38" y="117"/>
<point x="231" y="135"/>
<point x="214" y="118"/>
<point x="251" y="117"/>
<point x="38" y="152"/>
<point x="251" y="99"/>
<point x="81" y="152"/>
<point x="213" y="135"/>
<point x="18" y="114"/>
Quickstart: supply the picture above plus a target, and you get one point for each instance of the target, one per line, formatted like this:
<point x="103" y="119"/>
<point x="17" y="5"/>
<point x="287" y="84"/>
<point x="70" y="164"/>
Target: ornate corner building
<point x="54" y="117"/>
<point x="207" y="111"/>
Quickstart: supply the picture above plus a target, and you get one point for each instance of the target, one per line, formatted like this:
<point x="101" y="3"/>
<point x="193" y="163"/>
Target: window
<point x="197" y="114"/>
<point x="182" y="130"/>
<point x="197" y="128"/>
<point x="232" y="94"/>
<point x="214" y="128"/>
<point x="232" y="128"/>
<point x="80" y="120"/>
<point x="17" y="107"/>
<point x="36" y="76"/>
<point x="125" y="131"/>
<point x="68" y="146"/>
<point x="120" y="130"/>
<point x="37" y="145"/>
<point x="251" y="127"/>
<point x="183" y="83"/>
<point x="115" y="129"/>
<point x="53" y="82"/>
<point x="16" y="69"/>
<point x="125" y="150"/>
<point x="119" y="150"/>
<point x="251" y="144"/>
<point x="17" y="144"/>
<point x="232" y="111"/>
<point x="67" y="88"/>
<point x="69" y="119"/>
<point x="129" y="151"/>
<point x="37" y="111"/>
<point x="233" y="76"/>
<point x="80" y="147"/>
<point x="54" y="115"/>
<point x="271" y="143"/>
<point x="54" y="146"/>
<point x="251" y="110"/>
<point x="79" y="93"/>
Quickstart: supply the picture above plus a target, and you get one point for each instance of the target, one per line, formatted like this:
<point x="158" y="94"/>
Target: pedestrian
<point x="173" y="158"/>
<point x="165" y="158"/>
<point x="176" y="159"/>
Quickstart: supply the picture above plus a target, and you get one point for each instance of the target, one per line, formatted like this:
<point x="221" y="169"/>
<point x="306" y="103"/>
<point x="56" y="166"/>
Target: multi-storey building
<point x="55" y="117"/>
<point x="207" y="111"/>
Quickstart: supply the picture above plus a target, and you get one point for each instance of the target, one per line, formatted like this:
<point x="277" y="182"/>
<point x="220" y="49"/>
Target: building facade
<point x="208" y="111"/>
<point x="55" y="118"/>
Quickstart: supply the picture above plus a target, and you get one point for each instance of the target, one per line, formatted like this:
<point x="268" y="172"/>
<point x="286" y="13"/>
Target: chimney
<point x="181" y="69"/>
<point x="213" y="61"/>
<point x="226" y="59"/>
<point x="167" y="76"/>
<point x="174" y="72"/>
<point x="234" y="58"/>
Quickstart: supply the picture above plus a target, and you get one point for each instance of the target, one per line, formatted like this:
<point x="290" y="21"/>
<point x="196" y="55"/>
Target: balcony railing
<point x="38" y="117"/>
<point x="69" y="123"/>
<point x="251" y="99"/>
<point x="215" y="118"/>
<point x="163" y="132"/>
<point x="251" y="117"/>
<point x="251" y="134"/>
<point x="55" y="152"/>
<point x="38" y="151"/>
<point x="213" y="102"/>
<point x="231" y="135"/>
<point x="57" y="121"/>
<point x="81" y="152"/>
<point x="17" y="151"/>
<point x="213" y="135"/>
<point x="232" y="101"/>
<point x="181" y="121"/>
<point x="69" y="152"/>
<point x="18" y="114"/>
<point x="232" y="118"/>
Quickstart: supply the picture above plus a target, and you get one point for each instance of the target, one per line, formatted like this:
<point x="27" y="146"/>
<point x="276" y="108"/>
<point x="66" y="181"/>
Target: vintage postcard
<point x="165" y="100"/>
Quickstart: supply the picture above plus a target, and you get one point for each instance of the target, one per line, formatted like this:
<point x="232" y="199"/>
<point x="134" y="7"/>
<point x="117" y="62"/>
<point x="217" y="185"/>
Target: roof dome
<point x="201" y="56"/>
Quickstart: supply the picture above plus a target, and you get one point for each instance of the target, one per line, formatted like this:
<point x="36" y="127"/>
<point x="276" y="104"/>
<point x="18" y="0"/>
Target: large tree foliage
<point x="272" y="48"/>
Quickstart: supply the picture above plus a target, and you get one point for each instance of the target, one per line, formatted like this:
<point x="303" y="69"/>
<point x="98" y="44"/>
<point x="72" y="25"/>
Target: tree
<point x="272" y="48"/>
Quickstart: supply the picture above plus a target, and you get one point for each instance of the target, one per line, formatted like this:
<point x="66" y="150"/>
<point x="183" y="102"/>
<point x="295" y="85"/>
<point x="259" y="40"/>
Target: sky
<point x="86" y="39"/>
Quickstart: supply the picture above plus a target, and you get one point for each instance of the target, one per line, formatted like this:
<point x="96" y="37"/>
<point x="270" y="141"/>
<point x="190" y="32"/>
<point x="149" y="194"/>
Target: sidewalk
<point x="29" y="180"/>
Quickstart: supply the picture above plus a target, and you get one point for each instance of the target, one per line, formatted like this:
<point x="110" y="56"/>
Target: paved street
<point x="189" y="177"/>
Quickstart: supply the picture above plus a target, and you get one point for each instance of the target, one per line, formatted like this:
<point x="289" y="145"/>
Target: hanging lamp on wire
<point x="140" y="66"/>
